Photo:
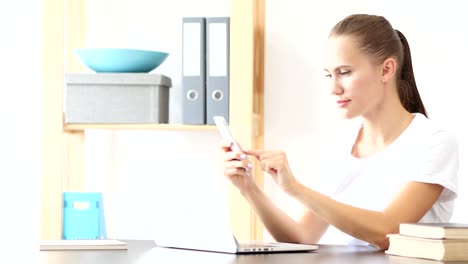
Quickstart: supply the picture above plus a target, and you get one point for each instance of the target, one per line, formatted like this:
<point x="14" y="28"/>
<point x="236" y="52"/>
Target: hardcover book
<point x="435" y="230"/>
<point x="427" y="248"/>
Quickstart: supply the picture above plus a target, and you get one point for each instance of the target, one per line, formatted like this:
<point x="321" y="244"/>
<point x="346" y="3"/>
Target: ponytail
<point x="407" y="89"/>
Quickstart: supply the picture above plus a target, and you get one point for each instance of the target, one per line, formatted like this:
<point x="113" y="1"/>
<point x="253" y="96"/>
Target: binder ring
<point x="217" y="95"/>
<point x="192" y="95"/>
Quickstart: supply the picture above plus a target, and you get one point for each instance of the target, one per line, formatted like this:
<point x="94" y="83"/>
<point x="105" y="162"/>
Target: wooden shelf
<point x="64" y="144"/>
<point x="82" y="127"/>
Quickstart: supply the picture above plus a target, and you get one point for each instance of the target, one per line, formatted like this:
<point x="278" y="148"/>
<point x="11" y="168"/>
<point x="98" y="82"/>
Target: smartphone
<point x="225" y="132"/>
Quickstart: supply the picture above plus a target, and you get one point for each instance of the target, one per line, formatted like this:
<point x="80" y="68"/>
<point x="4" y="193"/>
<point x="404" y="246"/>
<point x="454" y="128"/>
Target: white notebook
<point x="92" y="244"/>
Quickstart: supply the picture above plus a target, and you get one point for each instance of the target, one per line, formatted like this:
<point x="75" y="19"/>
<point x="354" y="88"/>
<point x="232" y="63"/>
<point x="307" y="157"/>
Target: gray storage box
<point x="116" y="98"/>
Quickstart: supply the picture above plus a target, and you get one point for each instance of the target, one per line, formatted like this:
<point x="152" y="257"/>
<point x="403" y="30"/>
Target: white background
<point x="20" y="128"/>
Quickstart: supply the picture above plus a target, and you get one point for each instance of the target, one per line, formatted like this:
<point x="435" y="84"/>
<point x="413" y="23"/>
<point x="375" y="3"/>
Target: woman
<point x="399" y="166"/>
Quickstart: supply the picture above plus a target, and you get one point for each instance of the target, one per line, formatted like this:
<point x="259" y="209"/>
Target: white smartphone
<point x="225" y="132"/>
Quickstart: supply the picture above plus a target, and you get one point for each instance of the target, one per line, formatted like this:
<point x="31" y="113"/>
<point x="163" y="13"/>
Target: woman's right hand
<point x="238" y="168"/>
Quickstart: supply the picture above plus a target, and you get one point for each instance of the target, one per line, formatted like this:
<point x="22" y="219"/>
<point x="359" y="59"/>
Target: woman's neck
<point x="386" y="127"/>
<point x="380" y="129"/>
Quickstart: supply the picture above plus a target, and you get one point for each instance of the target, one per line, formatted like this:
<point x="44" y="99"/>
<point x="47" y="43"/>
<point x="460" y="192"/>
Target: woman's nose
<point x="336" y="88"/>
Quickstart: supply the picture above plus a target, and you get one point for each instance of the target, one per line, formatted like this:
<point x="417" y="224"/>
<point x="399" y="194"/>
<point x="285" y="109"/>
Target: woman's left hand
<point x="276" y="164"/>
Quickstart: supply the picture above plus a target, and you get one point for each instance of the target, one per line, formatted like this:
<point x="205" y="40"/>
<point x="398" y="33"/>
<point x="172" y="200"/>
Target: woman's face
<point x="353" y="79"/>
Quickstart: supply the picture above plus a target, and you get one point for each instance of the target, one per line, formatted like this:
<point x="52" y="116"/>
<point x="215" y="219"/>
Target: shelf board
<point x="82" y="127"/>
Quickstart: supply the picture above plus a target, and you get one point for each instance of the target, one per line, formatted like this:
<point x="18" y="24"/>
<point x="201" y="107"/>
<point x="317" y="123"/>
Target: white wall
<point x="299" y="116"/>
<point x="20" y="133"/>
<point x="145" y="172"/>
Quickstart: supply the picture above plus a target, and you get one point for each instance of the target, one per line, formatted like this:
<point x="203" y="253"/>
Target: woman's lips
<point x="342" y="103"/>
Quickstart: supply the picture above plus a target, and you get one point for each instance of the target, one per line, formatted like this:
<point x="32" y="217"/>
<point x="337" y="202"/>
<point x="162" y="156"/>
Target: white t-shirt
<point x="422" y="153"/>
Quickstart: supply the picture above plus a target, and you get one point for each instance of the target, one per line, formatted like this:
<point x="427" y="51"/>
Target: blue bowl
<point x="120" y="60"/>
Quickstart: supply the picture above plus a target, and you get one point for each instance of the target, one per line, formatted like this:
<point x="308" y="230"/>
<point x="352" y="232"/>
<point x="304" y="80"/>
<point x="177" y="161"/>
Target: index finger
<point x="254" y="152"/>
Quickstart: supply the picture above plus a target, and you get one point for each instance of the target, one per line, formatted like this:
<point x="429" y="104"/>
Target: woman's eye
<point x="327" y="75"/>
<point x="345" y="72"/>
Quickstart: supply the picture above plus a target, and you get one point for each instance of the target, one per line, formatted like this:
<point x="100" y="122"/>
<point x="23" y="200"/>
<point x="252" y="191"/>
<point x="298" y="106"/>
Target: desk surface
<point x="142" y="252"/>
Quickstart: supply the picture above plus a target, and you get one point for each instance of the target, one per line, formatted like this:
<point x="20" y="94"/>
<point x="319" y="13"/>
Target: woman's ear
<point x="389" y="67"/>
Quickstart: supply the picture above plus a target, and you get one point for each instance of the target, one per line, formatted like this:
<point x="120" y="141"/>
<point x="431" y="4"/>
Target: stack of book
<point x="441" y="241"/>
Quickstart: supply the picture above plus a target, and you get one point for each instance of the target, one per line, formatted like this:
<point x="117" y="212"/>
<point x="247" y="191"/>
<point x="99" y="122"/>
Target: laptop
<point x="227" y="243"/>
<point x="201" y="221"/>
<point x="245" y="248"/>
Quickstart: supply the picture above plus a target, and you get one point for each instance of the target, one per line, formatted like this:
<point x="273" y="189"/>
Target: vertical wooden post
<point x="52" y="124"/>
<point x="246" y="100"/>
<point x="64" y="28"/>
<point x="74" y="142"/>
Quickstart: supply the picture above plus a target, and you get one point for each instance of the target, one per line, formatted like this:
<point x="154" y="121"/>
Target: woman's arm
<point x="413" y="201"/>
<point x="283" y="228"/>
<point x="411" y="204"/>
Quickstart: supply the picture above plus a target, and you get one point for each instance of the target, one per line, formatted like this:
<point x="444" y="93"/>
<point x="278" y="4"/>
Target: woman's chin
<point x="346" y="114"/>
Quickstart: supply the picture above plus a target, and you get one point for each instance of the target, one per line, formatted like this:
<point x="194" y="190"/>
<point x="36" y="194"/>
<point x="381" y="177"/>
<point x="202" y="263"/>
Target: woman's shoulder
<point x="431" y="133"/>
<point x="430" y="127"/>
